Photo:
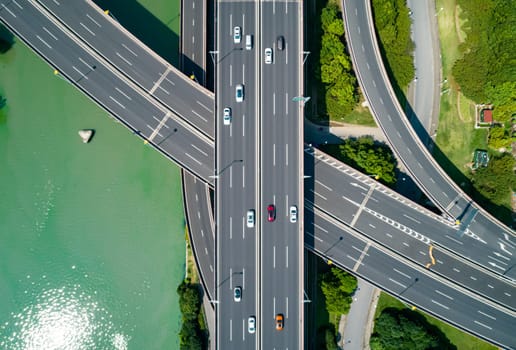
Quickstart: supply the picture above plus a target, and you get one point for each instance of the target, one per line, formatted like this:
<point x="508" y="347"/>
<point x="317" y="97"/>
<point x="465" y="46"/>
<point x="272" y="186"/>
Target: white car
<point x="237" y="34"/>
<point x="227" y="116"/>
<point x="293" y="213"/>
<point x="268" y="55"/>
<point x="250" y="218"/>
<point x="239" y="93"/>
<point x="251" y="324"/>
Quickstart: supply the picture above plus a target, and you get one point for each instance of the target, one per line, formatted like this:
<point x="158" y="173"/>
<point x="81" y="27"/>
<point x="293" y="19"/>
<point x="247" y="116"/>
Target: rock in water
<point x="86" y="135"/>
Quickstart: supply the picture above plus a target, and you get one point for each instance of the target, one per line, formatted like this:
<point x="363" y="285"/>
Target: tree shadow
<point x="502" y="213"/>
<point x="6" y="39"/>
<point x="146" y="27"/>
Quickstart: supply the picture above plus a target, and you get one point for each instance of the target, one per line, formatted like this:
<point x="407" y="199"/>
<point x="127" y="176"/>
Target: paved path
<point x="317" y="134"/>
<point x="356" y="333"/>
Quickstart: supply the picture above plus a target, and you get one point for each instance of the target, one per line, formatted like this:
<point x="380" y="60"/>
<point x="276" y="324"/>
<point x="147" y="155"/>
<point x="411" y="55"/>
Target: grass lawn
<point x="461" y="340"/>
<point x="456" y="138"/>
<point x="360" y="116"/>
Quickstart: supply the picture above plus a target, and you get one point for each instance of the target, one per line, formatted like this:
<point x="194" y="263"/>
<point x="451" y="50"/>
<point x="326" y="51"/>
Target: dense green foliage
<point x="392" y="22"/>
<point x="329" y="340"/>
<point x="190" y="335"/>
<point x="367" y="156"/>
<point x="406" y="330"/>
<point x="499" y="137"/>
<point x="497" y="179"/>
<point x="487" y="69"/>
<point x="335" y="66"/>
<point x="337" y="286"/>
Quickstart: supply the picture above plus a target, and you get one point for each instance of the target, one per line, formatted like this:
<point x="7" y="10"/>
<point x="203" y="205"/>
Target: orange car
<point x="279" y="322"/>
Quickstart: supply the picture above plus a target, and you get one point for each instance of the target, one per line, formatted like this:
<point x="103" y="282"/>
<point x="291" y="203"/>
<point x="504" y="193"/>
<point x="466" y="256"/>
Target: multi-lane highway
<point x="108" y="87"/>
<point x="237" y="176"/>
<point x="260" y="143"/>
<point x="281" y="174"/>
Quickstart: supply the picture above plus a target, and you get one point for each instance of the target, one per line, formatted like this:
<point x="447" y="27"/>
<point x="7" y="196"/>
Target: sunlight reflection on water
<point x="62" y="319"/>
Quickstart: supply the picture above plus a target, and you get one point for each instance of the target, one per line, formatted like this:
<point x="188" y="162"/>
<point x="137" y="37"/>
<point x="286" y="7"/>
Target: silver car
<point x="227" y="116"/>
<point x="268" y="55"/>
<point x="239" y="93"/>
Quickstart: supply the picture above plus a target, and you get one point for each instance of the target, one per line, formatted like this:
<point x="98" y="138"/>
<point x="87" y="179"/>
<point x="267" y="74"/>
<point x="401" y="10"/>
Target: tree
<point x="499" y="137"/>
<point x="405" y="330"/>
<point x="337" y="286"/>
<point x="392" y="24"/>
<point x="488" y="62"/>
<point x="496" y="181"/>
<point x="329" y="339"/>
<point x="189" y="300"/>
<point x="367" y="156"/>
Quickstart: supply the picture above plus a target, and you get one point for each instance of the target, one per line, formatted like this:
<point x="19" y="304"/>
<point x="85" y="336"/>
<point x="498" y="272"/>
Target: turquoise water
<point x="91" y="235"/>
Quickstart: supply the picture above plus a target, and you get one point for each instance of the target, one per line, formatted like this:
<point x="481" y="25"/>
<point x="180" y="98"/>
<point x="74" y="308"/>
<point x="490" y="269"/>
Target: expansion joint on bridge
<point x="453" y="202"/>
<point x="160" y="125"/>
<point x="364" y="202"/>
<point x="156" y="85"/>
<point x="359" y="261"/>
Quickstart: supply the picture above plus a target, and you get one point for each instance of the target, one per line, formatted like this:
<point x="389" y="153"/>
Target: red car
<point x="271" y="213"/>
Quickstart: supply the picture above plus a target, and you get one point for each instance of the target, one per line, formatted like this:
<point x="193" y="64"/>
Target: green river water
<point x="91" y="235"/>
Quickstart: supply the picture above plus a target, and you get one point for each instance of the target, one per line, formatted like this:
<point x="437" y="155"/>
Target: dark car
<point x="280" y="42"/>
<point x="271" y="213"/>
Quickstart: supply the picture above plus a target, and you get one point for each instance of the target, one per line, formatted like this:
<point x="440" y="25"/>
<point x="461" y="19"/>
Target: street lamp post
<point x="216" y="176"/>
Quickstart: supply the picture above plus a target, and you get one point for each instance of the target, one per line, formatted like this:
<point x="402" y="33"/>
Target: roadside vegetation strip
<point x="459" y="339"/>
<point x="368" y="156"/>
<point x="392" y="23"/>
<point x="335" y="93"/>
<point x="193" y="334"/>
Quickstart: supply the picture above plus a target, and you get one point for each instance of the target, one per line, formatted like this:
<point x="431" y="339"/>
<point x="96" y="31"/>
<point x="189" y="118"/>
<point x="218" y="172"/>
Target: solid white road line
<point x="483" y="325"/>
<point x="441" y="305"/>
<point x="274" y="256"/>
<point x="124" y="59"/>
<point x="444" y="295"/>
<point x="37" y="36"/>
<point x="128" y="49"/>
<point x="91" y="19"/>
<point x="402" y="273"/>
<point x="49" y="33"/>
<point x="200" y="116"/>
<point x="323" y="185"/>
<point x="118" y="103"/>
<point x="398" y="283"/>
<point x="87" y="29"/>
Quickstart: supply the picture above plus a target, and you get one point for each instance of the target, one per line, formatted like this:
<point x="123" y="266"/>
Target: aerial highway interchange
<point x="341" y="206"/>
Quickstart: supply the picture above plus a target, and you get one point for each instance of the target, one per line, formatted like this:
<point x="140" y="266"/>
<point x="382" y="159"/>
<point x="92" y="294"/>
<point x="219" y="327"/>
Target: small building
<point x="480" y="159"/>
<point x="486" y="116"/>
